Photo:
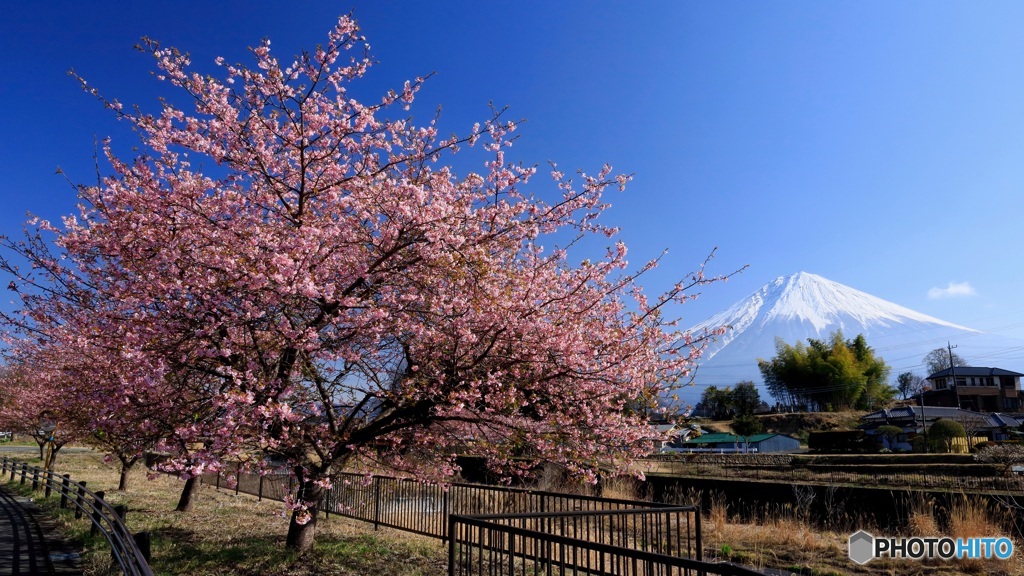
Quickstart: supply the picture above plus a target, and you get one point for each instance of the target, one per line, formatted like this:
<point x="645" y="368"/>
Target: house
<point x="726" y="443"/>
<point x="913" y="419"/>
<point x="975" y="388"/>
<point x="663" y="435"/>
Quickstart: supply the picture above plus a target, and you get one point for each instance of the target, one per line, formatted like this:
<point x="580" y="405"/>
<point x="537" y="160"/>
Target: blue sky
<point x="877" y="144"/>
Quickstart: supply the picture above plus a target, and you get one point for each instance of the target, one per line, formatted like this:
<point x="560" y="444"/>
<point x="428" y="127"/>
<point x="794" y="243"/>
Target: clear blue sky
<point x="878" y="144"/>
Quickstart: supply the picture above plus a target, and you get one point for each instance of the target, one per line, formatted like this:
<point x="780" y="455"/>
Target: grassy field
<point x="235" y="535"/>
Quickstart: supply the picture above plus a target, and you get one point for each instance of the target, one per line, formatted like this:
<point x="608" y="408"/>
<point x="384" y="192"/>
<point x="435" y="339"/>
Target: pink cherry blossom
<point x="326" y="291"/>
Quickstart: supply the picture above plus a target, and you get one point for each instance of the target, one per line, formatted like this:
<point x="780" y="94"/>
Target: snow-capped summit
<point x="817" y="303"/>
<point x="803" y="305"/>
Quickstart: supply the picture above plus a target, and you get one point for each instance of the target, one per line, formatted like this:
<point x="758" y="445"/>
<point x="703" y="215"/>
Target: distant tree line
<point x="827" y="375"/>
<point x="725" y="403"/>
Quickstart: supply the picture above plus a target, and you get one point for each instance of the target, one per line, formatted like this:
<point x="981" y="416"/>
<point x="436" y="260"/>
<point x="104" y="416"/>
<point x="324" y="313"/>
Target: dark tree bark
<point x="188" y="495"/>
<point x="301" y="536"/>
<point x="126" y="468"/>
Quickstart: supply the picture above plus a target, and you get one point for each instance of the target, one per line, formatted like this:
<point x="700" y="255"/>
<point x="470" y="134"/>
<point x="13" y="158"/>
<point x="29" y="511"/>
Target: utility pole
<point x="952" y="370"/>
<point x="924" y="421"/>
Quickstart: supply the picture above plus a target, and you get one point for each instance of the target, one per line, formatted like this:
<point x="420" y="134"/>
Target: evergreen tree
<point x="746" y="426"/>
<point x="745" y="398"/>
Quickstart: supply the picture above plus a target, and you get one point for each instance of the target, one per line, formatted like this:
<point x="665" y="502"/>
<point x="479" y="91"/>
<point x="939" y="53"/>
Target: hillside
<point x="795" y="424"/>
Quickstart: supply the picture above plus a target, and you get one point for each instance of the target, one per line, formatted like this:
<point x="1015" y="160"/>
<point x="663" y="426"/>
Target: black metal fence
<point x="415" y="506"/>
<point x="631" y="542"/>
<point x="131" y="552"/>
<point x="497" y="530"/>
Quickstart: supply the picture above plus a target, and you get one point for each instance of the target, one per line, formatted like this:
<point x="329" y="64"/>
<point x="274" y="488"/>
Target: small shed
<point x="730" y="443"/>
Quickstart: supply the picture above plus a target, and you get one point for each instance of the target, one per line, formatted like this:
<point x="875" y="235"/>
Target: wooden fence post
<point x="24" y="470"/>
<point x="35" y="478"/>
<point x="238" y="478"/>
<point x="64" y="485"/>
<point x="47" y="483"/>
<point x="97" y="514"/>
<point x="260" y="495"/>
<point x="14" y="468"/>
<point x="80" y="500"/>
<point x="121" y="511"/>
<point x="142" y="540"/>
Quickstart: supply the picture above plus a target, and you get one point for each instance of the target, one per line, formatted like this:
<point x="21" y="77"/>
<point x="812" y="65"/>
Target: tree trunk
<point x="301" y="536"/>
<point x="188" y="494"/>
<point x="126" y="468"/>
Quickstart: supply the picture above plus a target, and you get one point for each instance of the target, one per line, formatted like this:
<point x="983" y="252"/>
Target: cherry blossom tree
<point x="330" y="289"/>
<point x="23" y="402"/>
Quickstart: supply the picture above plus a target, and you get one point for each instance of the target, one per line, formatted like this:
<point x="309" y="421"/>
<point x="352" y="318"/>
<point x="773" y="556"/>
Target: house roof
<point x="721" y="438"/>
<point x="932" y="413"/>
<point x="1006" y="420"/>
<point x="973" y="371"/>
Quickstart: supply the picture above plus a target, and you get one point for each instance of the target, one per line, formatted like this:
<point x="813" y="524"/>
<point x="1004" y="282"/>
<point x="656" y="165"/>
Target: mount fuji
<point x="803" y="306"/>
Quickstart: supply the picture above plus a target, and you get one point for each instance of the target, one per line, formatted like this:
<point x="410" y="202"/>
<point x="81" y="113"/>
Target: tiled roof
<point x="932" y="413"/>
<point x="973" y="371"/>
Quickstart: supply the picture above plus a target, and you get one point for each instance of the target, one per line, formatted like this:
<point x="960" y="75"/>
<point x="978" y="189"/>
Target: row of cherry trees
<point x="289" y="275"/>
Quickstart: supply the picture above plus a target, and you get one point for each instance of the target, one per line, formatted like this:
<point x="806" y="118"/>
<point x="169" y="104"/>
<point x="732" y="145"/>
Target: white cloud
<point x="954" y="290"/>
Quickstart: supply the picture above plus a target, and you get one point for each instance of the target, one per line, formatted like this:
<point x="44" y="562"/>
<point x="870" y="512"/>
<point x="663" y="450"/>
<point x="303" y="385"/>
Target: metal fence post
<point x="697" y="537"/>
<point x="376" y="502"/>
<point x="446" y="510"/>
<point x="451" y="545"/>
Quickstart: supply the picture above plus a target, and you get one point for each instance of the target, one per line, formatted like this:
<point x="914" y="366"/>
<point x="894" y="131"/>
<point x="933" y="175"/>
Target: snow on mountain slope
<point x="803" y="306"/>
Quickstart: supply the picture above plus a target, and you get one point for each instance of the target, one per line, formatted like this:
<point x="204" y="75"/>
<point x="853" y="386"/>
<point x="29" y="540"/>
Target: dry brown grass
<point x="922" y="521"/>
<point x="785" y="537"/>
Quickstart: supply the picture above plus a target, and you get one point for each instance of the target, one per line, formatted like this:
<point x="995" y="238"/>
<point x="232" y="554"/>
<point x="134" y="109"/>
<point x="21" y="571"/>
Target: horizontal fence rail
<point x="630" y="542"/>
<point x="415" y="506"/>
<point x="131" y="552"/>
<point x="498" y="530"/>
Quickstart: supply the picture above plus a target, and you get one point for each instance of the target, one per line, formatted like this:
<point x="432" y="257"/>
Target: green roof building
<point x="728" y="443"/>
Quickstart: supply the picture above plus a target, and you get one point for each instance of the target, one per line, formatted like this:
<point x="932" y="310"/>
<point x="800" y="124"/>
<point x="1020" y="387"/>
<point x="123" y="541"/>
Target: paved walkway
<point x="29" y="542"/>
